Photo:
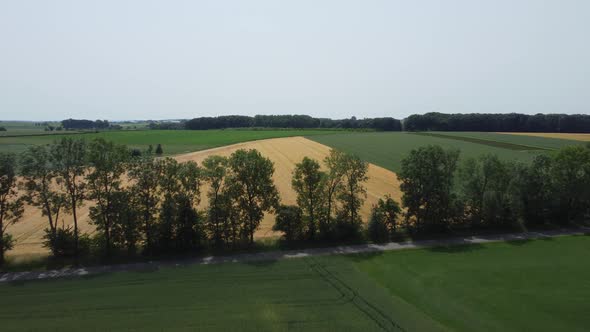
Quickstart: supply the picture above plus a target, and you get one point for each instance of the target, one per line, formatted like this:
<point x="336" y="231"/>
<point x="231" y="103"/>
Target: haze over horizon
<point x="124" y="60"/>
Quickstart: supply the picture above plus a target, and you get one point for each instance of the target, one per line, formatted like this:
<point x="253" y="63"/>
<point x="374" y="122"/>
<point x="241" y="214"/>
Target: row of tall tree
<point x="509" y="122"/>
<point x="85" y="124"/>
<point x="136" y="201"/>
<point x="440" y="193"/>
<point x="512" y="122"/>
<point x="328" y="202"/>
<point x="290" y="121"/>
<point x="149" y="204"/>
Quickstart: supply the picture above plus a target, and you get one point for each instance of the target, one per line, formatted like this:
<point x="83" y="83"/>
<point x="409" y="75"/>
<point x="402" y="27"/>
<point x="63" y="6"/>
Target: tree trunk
<point x="76" y="253"/>
<point x="251" y="231"/>
<point x="2" y="244"/>
<point x="1" y="254"/>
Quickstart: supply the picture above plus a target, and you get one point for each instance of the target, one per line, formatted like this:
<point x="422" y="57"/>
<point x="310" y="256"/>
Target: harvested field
<point x="284" y="152"/>
<point x="575" y="137"/>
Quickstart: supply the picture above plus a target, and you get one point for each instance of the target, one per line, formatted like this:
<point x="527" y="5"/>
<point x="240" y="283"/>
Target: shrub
<point x="62" y="243"/>
<point x="7" y="241"/>
<point x="376" y="229"/>
<point x="289" y="221"/>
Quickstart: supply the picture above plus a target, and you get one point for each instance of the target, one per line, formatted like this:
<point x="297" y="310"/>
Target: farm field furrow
<point x="284" y="152"/>
<point x="540" y="142"/>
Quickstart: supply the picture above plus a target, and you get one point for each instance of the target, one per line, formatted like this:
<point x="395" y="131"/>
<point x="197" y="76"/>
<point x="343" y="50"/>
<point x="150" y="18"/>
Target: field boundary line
<point x="488" y="142"/>
<point x="290" y="254"/>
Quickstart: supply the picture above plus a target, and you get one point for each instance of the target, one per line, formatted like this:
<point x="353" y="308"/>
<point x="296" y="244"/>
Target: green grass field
<point x="24" y="128"/>
<point x="539" y="285"/>
<point x="387" y="149"/>
<point x="173" y="141"/>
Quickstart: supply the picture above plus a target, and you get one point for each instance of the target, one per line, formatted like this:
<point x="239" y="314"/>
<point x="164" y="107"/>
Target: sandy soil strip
<point x="284" y="152"/>
<point x="575" y="137"/>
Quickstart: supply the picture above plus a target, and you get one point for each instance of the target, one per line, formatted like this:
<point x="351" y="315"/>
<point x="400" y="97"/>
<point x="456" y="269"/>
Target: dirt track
<point x="287" y="254"/>
<point x="284" y="152"/>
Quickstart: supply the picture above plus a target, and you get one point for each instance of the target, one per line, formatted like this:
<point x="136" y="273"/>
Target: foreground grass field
<point x="173" y="141"/>
<point x="387" y="149"/>
<point x="540" y="285"/>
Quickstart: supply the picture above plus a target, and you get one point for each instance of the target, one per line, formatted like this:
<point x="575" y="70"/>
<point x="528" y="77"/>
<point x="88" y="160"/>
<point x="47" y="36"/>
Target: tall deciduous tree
<point x="126" y="220"/>
<point x="485" y="182"/>
<point x="570" y="176"/>
<point x="352" y="192"/>
<point x="11" y="205"/>
<point x="169" y="187"/>
<point x="333" y="185"/>
<point x="107" y="163"/>
<point x="252" y="187"/>
<point x="145" y="174"/>
<point x="289" y="221"/>
<point x="69" y="156"/>
<point x="39" y="174"/>
<point x="215" y="172"/>
<point x="309" y="184"/>
<point x="383" y="223"/>
<point x="427" y="175"/>
<point x="179" y="222"/>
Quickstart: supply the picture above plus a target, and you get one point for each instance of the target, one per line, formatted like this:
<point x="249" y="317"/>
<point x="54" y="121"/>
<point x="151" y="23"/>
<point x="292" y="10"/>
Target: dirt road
<point x="288" y="254"/>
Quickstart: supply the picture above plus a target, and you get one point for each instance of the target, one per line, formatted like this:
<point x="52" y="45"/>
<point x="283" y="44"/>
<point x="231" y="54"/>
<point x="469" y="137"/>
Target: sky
<point x="122" y="60"/>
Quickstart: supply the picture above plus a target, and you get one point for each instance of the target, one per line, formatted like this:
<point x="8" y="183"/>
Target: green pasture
<point x="173" y="141"/>
<point x="538" y="285"/>
<point x="24" y="128"/>
<point x="387" y="149"/>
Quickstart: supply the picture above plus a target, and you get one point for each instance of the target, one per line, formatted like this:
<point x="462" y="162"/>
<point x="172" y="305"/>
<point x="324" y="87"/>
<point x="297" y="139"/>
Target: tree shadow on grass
<point x="261" y="263"/>
<point x="457" y="248"/>
<point x="357" y="258"/>
<point x="522" y="242"/>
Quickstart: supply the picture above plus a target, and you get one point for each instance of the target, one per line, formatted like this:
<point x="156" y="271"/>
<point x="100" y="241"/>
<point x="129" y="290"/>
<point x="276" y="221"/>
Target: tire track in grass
<point x="372" y="312"/>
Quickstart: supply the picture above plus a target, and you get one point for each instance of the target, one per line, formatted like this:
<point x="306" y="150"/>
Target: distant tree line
<point x="290" y="121"/>
<point x="141" y="203"/>
<point x="512" y="122"/>
<point x="85" y="124"/>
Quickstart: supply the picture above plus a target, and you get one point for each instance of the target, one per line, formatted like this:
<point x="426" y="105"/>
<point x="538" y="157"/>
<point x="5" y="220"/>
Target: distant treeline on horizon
<point x="511" y="122"/>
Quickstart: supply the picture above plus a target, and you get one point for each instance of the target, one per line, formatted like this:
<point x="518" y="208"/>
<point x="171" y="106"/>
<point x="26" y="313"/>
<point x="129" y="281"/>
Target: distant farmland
<point x="173" y="141"/>
<point x="387" y="149"/>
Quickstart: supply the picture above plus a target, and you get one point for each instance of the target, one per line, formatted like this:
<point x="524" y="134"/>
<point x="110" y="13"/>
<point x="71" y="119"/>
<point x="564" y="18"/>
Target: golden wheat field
<point x="284" y="152"/>
<point x="575" y="137"/>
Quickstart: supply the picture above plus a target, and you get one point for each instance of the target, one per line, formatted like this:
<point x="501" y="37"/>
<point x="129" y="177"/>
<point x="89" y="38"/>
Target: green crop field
<point x="24" y="128"/>
<point x="387" y="149"/>
<point x="539" y="285"/>
<point x="173" y="141"/>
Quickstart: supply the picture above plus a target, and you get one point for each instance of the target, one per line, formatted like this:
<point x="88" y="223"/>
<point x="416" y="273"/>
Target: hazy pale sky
<point x="181" y="59"/>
